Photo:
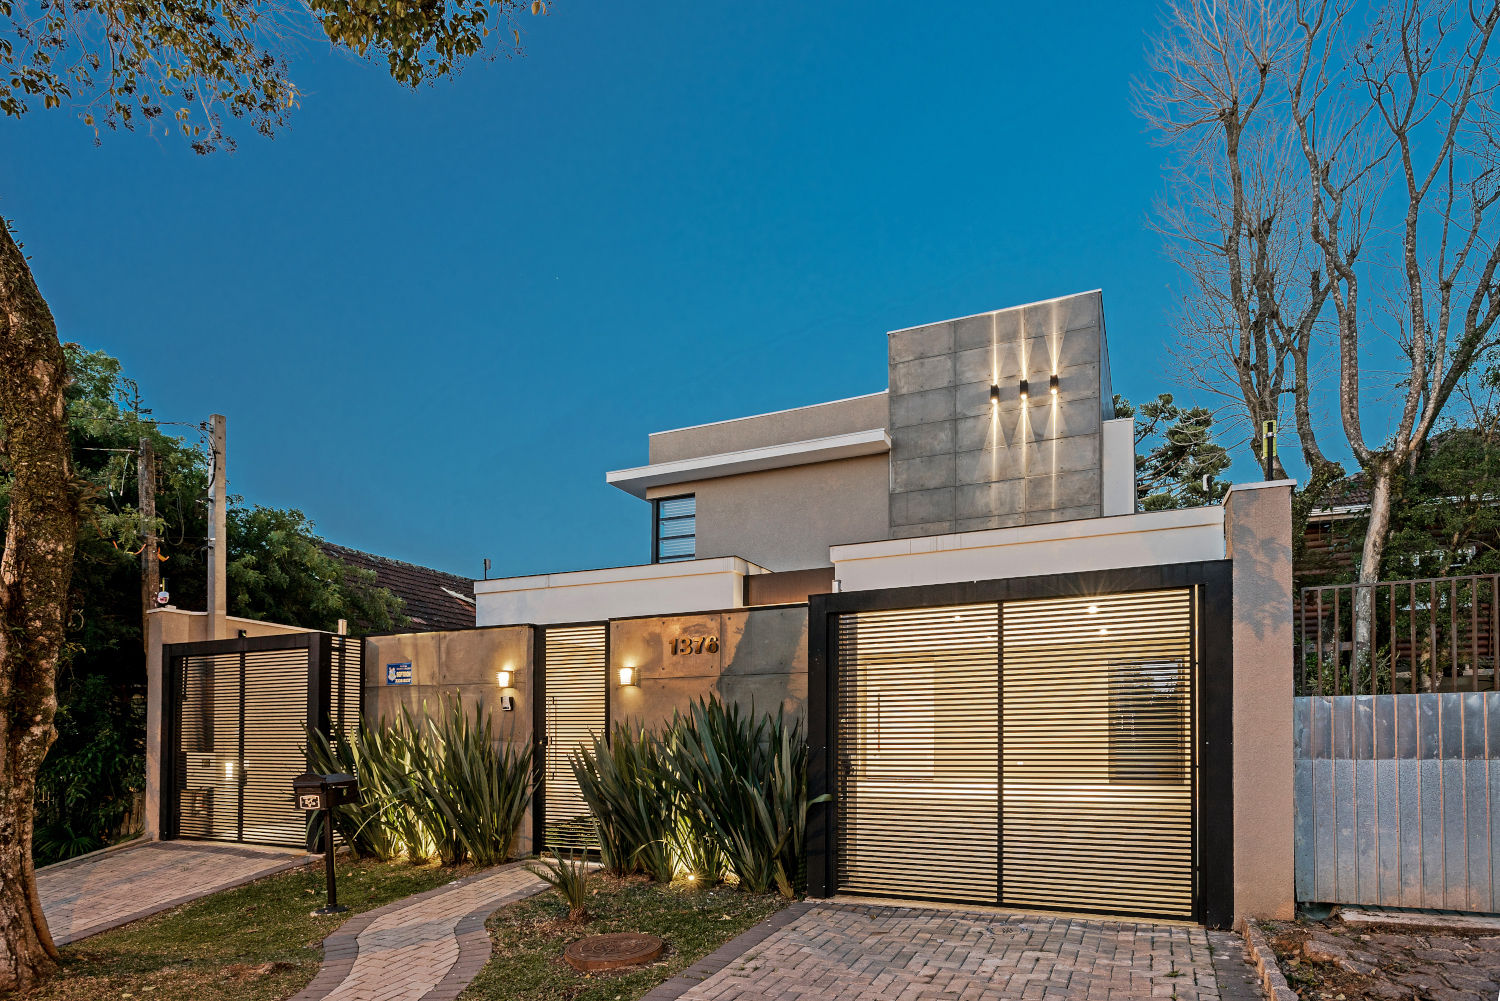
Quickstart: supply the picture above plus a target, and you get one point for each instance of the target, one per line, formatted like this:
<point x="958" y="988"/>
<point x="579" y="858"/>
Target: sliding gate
<point x="236" y="731"/>
<point x="1032" y="753"/>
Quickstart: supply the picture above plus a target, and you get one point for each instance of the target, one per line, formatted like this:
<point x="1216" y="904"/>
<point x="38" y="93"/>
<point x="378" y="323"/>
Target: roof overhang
<point x="637" y="481"/>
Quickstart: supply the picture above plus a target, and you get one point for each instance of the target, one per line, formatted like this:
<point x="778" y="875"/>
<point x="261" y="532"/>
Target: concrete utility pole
<point x="218" y="531"/>
<point x="145" y="473"/>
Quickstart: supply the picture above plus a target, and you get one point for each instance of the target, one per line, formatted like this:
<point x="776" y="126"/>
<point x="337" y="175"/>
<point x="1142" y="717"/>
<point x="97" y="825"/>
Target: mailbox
<point x="324" y="792"/>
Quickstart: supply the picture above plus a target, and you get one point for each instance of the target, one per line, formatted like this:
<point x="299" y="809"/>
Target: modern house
<point x="1018" y="690"/>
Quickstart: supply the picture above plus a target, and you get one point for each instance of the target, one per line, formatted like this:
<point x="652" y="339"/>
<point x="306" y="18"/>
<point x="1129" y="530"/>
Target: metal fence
<point x="1398" y="637"/>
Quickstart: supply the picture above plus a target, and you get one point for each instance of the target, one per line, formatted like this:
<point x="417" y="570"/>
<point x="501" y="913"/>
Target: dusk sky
<point x="435" y="319"/>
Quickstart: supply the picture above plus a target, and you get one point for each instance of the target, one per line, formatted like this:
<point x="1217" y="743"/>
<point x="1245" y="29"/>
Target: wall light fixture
<point x="1025" y="389"/>
<point x="628" y="677"/>
<point x="502" y="678"/>
<point x="1052" y="386"/>
<point x="995" y="393"/>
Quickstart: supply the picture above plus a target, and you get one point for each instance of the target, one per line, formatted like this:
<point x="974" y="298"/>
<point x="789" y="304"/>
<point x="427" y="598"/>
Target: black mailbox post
<point x="316" y="792"/>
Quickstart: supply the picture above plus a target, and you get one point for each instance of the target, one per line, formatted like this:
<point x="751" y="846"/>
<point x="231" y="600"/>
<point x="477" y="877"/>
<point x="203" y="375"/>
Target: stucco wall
<point x="960" y="463"/>
<point x="820" y="420"/>
<point x="761" y="661"/>
<point x="786" y="519"/>
<point x="1258" y="538"/>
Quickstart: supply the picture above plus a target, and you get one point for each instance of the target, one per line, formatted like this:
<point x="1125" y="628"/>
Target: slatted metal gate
<point x="1032" y="753"/>
<point x="575" y="670"/>
<point x="237" y="729"/>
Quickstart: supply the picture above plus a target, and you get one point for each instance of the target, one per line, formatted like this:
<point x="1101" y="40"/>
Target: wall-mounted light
<point x="628" y="678"/>
<point x="502" y="678"/>
<point x="995" y="394"/>
<point x="1025" y="389"/>
<point x="1052" y="386"/>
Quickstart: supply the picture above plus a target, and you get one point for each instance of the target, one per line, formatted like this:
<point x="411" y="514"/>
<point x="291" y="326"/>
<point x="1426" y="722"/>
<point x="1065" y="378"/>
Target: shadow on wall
<point x="763" y="664"/>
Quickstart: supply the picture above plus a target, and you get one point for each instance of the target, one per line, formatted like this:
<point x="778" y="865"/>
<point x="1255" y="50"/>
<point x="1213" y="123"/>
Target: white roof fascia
<point x="638" y="480"/>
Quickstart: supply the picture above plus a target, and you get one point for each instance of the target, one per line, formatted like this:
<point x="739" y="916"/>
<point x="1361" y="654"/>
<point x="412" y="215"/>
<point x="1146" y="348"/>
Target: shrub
<point x="570" y="878"/>
<point x="629" y="793"/>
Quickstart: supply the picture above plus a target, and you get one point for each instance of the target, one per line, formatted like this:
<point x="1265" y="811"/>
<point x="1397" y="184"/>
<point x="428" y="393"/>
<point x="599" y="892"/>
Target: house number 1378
<point x="684" y="645"/>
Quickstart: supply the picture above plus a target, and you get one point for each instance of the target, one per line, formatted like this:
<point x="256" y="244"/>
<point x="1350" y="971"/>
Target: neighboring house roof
<point x="433" y="599"/>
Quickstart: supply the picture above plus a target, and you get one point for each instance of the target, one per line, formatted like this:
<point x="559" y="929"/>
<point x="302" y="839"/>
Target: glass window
<point x="676" y="535"/>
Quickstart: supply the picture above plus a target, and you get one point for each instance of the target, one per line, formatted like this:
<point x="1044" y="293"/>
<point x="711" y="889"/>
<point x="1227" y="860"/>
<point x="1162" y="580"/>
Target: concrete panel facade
<point x="960" y="462"/>
<point x="786" y="519"/>
<point x="1258" y="538"/>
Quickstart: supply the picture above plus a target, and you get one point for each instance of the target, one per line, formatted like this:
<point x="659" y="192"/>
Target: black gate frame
<point x="1213" y="824"/>
<point x="320" y="701"/>
<point x="540" y="736"/>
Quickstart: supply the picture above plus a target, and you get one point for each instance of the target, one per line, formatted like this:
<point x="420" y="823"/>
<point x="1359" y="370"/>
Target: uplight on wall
<point x="1052" y="386"/>
<point x="629" y="678"/>
<point x="502" y="678"/>
<point x="994" y="394"/>
<point x="1025" y="389"/>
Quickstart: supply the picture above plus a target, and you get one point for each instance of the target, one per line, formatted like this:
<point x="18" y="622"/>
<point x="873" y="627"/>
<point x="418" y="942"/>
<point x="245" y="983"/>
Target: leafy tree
<point x="192" y="67"/>
<point x="1182" y="461"/>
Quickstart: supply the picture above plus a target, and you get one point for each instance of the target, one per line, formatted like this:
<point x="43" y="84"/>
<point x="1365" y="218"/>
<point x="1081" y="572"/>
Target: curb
<point x="1264" y="959"/>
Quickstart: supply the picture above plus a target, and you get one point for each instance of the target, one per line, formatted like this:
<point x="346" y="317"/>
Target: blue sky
<point x="435" y="318"/>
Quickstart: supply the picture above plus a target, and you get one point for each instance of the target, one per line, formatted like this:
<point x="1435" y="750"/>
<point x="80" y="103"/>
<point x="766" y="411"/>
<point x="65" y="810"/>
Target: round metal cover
<point x="611" y="952"/>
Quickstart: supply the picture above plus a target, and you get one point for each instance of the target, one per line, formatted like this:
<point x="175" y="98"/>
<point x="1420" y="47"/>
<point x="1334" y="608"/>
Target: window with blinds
<point x="675" y="535"/>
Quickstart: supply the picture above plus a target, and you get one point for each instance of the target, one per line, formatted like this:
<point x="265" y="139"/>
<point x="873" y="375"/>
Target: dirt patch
<point x="1330" y="961"/>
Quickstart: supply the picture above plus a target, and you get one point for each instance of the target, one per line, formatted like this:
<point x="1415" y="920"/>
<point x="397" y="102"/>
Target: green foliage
<point x="185" y="65"/>
<point x="1182" y="463"/>
<point x="629" y="791"/>
<point x="569" y="876"/>
<point x="440" y="786"/>
<point x="718" y="789"/>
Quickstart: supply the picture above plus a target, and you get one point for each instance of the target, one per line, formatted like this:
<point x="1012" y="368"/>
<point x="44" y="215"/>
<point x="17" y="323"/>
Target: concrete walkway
<point x="861" y="952"/>
<point x="103" y="890"/>
<point x="421" y="948"/>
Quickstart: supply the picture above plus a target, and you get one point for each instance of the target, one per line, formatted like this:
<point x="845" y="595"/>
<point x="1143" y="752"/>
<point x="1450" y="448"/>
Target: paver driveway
<point x="864" y="952"/>
<point x="107" y="889"/>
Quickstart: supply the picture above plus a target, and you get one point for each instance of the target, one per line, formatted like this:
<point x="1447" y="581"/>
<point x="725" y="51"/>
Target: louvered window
<point x="675" y="537"/>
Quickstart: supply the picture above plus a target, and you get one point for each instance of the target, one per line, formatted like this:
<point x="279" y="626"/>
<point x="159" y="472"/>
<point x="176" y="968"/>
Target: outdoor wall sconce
<point x="995" y="394"/>
<point x="502" y="678"/>
<point x="1052" y="386"/>
<point x="628" y="678"/>
<point x="1025" y="389"/>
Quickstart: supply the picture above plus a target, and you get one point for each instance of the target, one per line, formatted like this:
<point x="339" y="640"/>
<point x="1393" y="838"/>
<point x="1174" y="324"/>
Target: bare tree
<point x="1368" y="176"/>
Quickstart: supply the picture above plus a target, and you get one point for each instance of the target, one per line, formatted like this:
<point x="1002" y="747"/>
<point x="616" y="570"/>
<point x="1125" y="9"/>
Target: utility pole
<point x="218" y="530"/>
<point x="145" y="472"/>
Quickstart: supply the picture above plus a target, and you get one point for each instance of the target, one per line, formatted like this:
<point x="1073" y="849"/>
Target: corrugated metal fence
<point x="1398" y="800"/>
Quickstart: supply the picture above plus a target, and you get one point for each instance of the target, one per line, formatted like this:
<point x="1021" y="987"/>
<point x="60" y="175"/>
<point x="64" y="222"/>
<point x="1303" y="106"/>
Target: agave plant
<point x="629" y="793"/>
<point x="569" y="876"/>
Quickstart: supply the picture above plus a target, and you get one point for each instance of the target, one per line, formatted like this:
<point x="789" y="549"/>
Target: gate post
<point x="820" y="739"/>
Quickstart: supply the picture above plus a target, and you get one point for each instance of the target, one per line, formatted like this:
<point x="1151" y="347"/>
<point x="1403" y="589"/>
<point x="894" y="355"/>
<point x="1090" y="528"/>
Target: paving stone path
<point x="421" y="948"/>
<point x="856" y="952"/>
<point x="104" y="890"/>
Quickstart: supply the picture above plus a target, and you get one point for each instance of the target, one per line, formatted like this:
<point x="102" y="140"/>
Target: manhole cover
<point x="610" y="952"/>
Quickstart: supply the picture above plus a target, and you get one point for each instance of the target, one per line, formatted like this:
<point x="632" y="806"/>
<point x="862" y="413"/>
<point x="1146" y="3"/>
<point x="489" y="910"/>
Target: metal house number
<point x="683" y="646"/>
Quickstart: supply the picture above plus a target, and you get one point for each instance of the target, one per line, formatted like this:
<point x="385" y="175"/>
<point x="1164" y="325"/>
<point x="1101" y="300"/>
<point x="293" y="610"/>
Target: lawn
<point x="253" y="943"/>
<point x="529" y="937"/>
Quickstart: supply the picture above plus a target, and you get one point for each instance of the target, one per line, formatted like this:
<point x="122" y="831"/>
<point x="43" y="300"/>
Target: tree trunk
<point x="1376" y="534"/>
<point x="35" y="573"/>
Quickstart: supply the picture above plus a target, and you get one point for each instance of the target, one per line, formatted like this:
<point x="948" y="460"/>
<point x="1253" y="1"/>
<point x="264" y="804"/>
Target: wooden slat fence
<point x="1398" y="800"/>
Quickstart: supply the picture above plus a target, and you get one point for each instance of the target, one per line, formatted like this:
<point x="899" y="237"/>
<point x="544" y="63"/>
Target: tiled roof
<point x="434" y="599"/>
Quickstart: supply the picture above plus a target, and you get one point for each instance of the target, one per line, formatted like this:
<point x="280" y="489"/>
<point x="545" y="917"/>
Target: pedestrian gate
<point x="1031" y="753"/>
<point x="575" y="697"/>
<point x="236" y="730"/>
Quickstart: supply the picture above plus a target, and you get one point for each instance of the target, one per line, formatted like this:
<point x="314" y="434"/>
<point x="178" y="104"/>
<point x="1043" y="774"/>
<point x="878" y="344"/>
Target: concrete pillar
<point x="1258" y="538"/>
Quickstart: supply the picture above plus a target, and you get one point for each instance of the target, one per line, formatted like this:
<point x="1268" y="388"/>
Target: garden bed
<point x="1325" y="961"/>
<point x="253" y="943"/>
<point x="529" y="938"/>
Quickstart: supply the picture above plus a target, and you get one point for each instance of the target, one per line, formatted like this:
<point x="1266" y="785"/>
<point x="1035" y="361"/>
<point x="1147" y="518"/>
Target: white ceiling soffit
<point x="751" y="460"/>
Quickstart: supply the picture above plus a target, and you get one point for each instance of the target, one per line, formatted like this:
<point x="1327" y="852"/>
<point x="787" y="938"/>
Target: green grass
<point x="529" y="937"/>
<point x="254" y="943"/>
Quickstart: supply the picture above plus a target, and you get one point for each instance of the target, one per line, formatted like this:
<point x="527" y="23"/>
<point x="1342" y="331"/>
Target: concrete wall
<point x="960" y="463"/>
<point x="463" y="662"/>
<point x="172" y="625"/>
<point x="1151" y="538"/>
<point x="592" y="595"/>
<point x="860" y="413"/>
<point x="761" y="661"/>
<point x="1258" y="538"/>
<point x="786" y="519"/>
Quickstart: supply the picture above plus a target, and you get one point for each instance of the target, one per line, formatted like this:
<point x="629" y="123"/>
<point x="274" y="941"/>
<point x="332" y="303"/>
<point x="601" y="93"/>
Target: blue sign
<point x="398" y="674"/>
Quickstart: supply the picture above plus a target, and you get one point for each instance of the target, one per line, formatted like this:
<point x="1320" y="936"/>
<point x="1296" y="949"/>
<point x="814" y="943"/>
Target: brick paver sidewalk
<point x="107" y="889"/>
<point x="856" y="952"/>
<point x="422" y="948"/>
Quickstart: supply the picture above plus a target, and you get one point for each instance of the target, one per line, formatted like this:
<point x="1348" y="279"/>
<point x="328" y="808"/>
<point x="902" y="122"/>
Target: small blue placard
<point x="398" y="674"/>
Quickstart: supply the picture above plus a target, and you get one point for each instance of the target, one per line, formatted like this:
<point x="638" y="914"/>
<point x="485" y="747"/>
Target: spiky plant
<point x="629" y="792"/>
<point x="569" y="876"/>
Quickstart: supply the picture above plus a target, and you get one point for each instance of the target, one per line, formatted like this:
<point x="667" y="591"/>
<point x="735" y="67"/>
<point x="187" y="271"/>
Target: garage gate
<point x="1036" y="753"/>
